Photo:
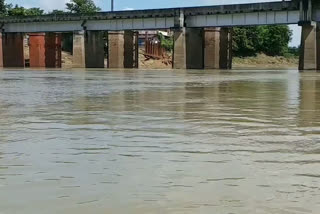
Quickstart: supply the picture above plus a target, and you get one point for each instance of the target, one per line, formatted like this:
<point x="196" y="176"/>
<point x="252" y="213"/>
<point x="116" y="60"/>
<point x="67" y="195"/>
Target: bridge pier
<point x="13" y="49"/>
<point x="310" y="47"/>
<point x="78" y="59"/>
<point x="88" y="49"/>
<point x="45" y="50"/>
<point x="1" y="51"/>
<point x="225" y="48"/>
<point x="212" y="48"/>
<point x="123" y="49"/>
<point x="196" y="48"/>
<point x="94" y="49"/>
<point x="188" y="48"/>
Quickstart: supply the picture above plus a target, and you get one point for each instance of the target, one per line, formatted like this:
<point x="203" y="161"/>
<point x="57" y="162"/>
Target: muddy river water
<point x="143" y="141"/>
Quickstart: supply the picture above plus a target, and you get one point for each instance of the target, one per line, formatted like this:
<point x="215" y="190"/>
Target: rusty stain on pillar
<point x="116" y="50"/>
<point x="13" y="49"/>
<point x="37" y="49"/>
<point x="53" y="49"/>
<point x="1" y="51"/>
<point x="212" y="48"/>
<point x="225" y="48"/>
<point x="78" y="60"/>
<point x="94" y="48"/>
<point x="45" y="50"/>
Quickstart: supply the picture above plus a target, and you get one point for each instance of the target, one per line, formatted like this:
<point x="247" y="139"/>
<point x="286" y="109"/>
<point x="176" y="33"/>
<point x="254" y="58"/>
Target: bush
<point x="166" y="43"/>
<point x="271" y="40"/>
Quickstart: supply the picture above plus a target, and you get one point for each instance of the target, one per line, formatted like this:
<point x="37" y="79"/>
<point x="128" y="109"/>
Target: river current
<point x="159" y="141"/>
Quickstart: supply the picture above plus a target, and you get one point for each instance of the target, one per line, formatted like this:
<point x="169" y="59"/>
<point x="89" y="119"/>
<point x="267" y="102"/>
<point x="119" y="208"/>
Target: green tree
<point x="16" y="10"/>
<point x="57" y="12"/>
<point x="275" y="40"/>
<point x="271" y="40"/>
<point x="3" y="8"/>
<point x="82" y="6"/>
<point x="166" y="43"/>
<point x="34" y="11"/>
<point x="246" y="41"/>
<point x="21" y="11"/>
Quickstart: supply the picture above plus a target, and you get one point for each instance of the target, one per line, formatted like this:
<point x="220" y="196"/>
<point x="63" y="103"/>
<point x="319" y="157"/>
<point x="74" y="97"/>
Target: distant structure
<point x="112" y="5"/>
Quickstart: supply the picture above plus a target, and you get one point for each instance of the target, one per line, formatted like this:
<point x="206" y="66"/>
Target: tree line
<point x="74" y="6"/>
<point x="247" y="41"/>
<point x="271" y="40"/>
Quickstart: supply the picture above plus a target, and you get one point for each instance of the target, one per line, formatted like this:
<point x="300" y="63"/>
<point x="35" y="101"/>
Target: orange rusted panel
<point x="53" y="50"/>
<point x="37" y="50"/>
<point x="45" y="50"/>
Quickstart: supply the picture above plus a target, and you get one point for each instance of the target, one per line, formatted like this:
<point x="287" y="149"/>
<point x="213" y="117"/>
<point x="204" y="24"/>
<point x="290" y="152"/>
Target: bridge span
<point x="202" y="35"/>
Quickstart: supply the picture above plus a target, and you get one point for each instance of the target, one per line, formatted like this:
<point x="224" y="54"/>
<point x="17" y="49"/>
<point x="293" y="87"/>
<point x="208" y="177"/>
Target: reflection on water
<point x="159" y="142"/>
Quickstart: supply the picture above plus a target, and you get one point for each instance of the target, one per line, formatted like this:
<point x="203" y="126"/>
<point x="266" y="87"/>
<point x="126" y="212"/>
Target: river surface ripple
<point x="97" y="141"/>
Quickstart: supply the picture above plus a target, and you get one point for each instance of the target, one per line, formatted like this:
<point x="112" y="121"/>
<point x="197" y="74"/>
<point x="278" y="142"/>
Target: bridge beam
<point x="45" y="50"/>
<point x="123" y="47"/>
<point x="13" y="49"/>
<point x="310" y="47"/>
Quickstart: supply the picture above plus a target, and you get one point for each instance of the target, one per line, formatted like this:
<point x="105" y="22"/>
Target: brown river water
<point x="232" y="142"/>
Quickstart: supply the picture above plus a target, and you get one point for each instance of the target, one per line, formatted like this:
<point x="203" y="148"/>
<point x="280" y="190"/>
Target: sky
<point x="147" y="4"/>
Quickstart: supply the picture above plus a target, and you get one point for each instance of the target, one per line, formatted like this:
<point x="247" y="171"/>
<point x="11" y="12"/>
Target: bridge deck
<point x="155" y="13"/>
<point x="208" y="16"/>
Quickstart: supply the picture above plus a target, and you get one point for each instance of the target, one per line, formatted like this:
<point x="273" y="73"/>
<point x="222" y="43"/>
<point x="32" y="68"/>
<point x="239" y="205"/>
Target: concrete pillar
<point x="188" y="48"/>
<point x="53" y="47"/>
<point x="1" y="51"/>
<point x="79" y="49"/>
<point x="122" y="50"/>
<point x="310" y="52"/>
<point x="212" y="48"/>
<point x="116" y="50"/>
<point x="194" y="48"/>
<point x="225" y="48"/>
<point x="94" y="49"/>
<point x="128" y="49"/>
<point x="179" y="50"/>
<point x="45" y="50"/>
<point x="37" y="49"/>
<point x="13" y="49"/>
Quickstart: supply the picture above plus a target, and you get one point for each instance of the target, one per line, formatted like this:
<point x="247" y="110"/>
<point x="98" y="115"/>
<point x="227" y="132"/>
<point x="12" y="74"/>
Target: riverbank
<point x="264" y="61"/>
<point x="259" y="61"/>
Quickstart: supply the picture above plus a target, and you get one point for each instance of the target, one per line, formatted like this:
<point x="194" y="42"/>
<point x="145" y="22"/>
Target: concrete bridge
<point x="202" y="35"/>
